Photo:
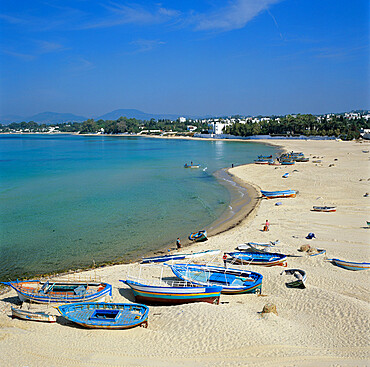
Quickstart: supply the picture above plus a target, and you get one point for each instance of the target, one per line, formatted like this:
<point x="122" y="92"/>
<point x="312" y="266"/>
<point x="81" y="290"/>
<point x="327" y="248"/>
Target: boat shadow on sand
<point x="13" y="301"/>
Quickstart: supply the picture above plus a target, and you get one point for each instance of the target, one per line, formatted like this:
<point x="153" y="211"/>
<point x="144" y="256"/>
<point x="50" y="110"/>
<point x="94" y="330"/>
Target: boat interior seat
<point x="222" y="278"/>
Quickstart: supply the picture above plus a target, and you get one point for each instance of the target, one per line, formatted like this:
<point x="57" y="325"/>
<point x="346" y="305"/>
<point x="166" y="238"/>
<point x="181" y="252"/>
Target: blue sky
<point x="196" y="57"/>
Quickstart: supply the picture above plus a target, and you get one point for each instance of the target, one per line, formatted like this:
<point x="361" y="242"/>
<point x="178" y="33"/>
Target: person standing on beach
<point x="267" y="225"/>
<point x="178" y="244"/>
<point x="224" y="258"/>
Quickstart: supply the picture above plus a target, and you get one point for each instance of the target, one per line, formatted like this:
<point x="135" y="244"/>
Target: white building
<point x="217" y="126"/>
<point x="182" y="119"/>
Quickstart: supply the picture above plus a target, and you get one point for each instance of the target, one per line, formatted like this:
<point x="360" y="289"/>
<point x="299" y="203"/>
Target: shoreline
<point x="312" y="325"/>
<point x="239" y="210"/>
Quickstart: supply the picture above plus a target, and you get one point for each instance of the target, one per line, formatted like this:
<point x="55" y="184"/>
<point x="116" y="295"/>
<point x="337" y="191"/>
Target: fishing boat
<point x="192" y="165"/>
<point x="287" y="163"/>
<point x="256" y="246"/>
<point x="232" y="281"/>
<point x="60" y="291"/>
<point x="171" y="292"/>
<point x="301" y="159"/>
<point x="324" y="209"/>
<point x="32" y="316"/>
<point x="258" y="258"/>
<point x="261" y="161"/>
<point x="198" y="236"/>
<point x="264" y="157"/>
<point x="163" y="258"/>
<point x="315" y="252"/>
<point x="278" y="194"/>
<point x="350" y="265"/>
<point x="285" y="175"/>
<point x="106" y="315"/>
<point x="174" y="257"/>
<point x="298" y="278"/>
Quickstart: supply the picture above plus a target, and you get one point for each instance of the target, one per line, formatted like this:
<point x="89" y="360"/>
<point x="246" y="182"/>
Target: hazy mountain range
<point x="56" y="117"/>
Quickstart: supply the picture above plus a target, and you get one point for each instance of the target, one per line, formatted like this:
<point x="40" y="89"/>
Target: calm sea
<point x="68" y="201"/>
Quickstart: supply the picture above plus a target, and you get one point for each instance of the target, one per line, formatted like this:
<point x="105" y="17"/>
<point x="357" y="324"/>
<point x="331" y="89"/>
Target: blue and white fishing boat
<point x="174" y="257"/>
<point x="106" y="315"/>
<point x="198" y="236"/>
<point x="61" y="291"/>
<point x="171" y="292"/>
<point x="278" y="194"/>
<point x="232" y="281"/>
<point x="285" y="175"/>
<point x="349" y="265"/>
<point x="256" y="246"/>
<point x="258" y="258"/>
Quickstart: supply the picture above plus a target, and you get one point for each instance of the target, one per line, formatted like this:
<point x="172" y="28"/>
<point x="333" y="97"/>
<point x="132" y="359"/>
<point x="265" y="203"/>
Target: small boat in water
<point x="106" y="315"/>
<point x="191" y="165"/>
<point x="349" y="265"/>
<point x="264" y="157"/>
<point x="298" y="278"/>
<point x="232" y="281"/>
<point x="164" y="258"/>
<point x="324" y="209"/>
<point x="258" y="258"/>
<point x="198" y="236"/>
<point x="172" y="292"/>
<point x="32" y="316"/>
<point x="60" y="291"/>
<point x="278" y="194"/>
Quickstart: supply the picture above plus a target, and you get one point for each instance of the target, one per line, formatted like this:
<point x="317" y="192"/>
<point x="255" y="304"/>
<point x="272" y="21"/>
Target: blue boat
<point x="258" y="258"/>
<point x="172" y="292"/>
<point x="232" y="281"/>
<point x="278" y="194"/>
<point x="285" y="175"/>
<point x="191" y="165"/>
<point x="164" y="258"/>
<point x="349" y="265"/>
<point x="198" y="236"/>
<point x="60" y="291"/>
<point x="106" y="315"/>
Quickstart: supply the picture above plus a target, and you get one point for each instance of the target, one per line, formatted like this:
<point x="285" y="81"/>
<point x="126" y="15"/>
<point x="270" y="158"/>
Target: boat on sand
<point x="106" y="315"/>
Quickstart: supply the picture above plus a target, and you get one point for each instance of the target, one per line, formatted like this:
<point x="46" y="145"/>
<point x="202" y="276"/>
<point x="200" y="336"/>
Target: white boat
<point x="32" y="316"/>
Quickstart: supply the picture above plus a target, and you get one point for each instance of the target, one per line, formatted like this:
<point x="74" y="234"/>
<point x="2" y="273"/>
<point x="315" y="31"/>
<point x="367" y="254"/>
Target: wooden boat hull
<point x="106" y="315"/>
<point x="258" y="258"/>
<point x="349" y="265"/>
<point x="261" y="162"/>
<point x="326" y="209"/>
<point x="319" y="252"/>
<point x="60" y="292"/>
<point x="232" y="281"/>
<point x="160" y="295"/>
<point x="158" y="259"/>
<point x="300" y="275"/>
<point x="32" y="316"/>
<point x="278" y="194"/>
<point x="198" y="236"/>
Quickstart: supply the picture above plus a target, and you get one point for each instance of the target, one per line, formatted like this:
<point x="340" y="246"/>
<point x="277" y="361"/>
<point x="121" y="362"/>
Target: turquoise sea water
<point x="66" y="201"/>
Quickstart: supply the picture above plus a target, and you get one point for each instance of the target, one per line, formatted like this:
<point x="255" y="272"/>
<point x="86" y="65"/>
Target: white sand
<point x="326" y="324"/>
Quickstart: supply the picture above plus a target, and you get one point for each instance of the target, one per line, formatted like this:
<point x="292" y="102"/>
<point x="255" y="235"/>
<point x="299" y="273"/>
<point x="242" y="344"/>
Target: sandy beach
<point x="326" y="324"/>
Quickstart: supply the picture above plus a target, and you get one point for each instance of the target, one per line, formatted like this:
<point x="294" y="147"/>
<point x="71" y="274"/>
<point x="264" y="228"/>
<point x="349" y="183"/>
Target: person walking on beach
<point x="178" y="244"/>
<point x="224" y="258"/>
<point x="267" y="226"/>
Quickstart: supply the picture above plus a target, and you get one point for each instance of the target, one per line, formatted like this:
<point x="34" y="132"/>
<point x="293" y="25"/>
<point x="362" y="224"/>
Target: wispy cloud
<point x="19" y="55"/>
<point x="119" y="14"/>
<point x="143" y="45"/>
<point x="233" y="16"/>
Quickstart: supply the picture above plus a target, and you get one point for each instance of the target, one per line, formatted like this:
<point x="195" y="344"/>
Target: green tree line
<point x="307" y="125"/>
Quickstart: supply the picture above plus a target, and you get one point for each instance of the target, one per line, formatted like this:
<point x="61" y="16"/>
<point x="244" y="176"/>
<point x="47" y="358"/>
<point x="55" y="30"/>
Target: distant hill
<point x="140" y="115"/>
<point x="44" y="118"/>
